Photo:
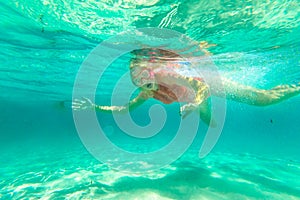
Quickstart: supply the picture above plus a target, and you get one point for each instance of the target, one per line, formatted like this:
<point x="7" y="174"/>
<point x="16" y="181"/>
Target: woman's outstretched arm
<point x="258" y="97"/>
<point x="85" y="103"/>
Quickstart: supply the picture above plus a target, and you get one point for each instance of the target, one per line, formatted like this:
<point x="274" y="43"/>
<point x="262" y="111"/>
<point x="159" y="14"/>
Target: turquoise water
<point x="43" y="44"/>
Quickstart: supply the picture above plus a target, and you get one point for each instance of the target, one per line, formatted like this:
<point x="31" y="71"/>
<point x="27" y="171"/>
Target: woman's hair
<point x="152" y="55"/>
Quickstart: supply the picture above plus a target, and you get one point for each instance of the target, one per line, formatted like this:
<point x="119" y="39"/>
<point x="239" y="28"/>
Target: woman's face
<point x="143" y="77"/>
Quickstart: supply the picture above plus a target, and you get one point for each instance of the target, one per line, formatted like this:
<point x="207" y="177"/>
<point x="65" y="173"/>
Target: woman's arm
<point x="85" y="103"/>
<point x="255" y="96"/>
<point x="201" y="94"/>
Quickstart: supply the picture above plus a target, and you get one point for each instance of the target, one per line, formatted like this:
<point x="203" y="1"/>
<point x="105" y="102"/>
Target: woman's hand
<point x="82" y="104"/>
<point x="187" y="109"/>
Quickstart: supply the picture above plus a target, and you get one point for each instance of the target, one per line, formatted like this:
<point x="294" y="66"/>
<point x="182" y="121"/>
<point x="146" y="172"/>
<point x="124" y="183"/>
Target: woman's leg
<point x="258" y="97"/>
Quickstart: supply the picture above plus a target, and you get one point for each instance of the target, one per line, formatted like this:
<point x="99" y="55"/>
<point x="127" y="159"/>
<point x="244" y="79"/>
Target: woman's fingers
<point x="82" y="104"/>
<point x="80" y="100"/>
<point x="187" y="109"/>
<point x="87" y="99"/>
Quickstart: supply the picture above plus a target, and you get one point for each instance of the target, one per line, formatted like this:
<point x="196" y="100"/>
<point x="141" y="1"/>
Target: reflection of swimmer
<point x="158" y="78"/>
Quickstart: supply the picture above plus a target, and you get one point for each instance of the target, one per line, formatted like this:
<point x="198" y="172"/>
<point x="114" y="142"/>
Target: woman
<point x="163" y="75"/>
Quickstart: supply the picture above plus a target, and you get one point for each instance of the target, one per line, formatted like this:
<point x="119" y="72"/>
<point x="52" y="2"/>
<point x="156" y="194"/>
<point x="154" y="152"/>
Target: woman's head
<point x="147" y="63"/>
<point x="143" y="76"/>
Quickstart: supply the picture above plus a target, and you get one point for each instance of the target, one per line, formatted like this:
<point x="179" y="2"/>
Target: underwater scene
<point x="136" y="99"/>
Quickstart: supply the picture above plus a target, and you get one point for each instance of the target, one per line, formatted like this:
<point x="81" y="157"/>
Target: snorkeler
<point x="158" y="76"/>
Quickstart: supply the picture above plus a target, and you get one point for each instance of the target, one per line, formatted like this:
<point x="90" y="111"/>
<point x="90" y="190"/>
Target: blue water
<point x="43" y="44"/>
